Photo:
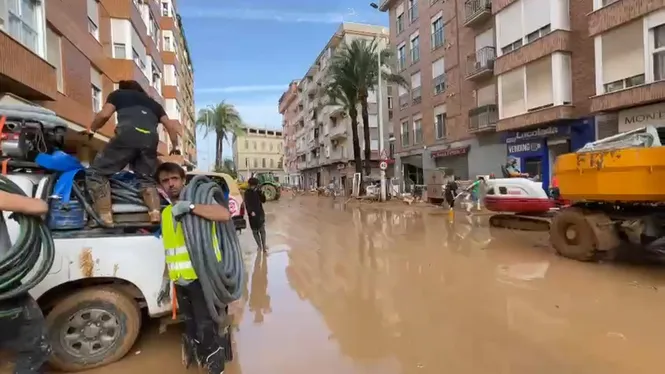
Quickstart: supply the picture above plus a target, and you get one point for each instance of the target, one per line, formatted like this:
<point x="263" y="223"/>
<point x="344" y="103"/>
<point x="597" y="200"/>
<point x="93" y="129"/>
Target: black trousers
<point x="211" y="347"/>
<point x="129" y="147"/>
<point x="23" y="331"/>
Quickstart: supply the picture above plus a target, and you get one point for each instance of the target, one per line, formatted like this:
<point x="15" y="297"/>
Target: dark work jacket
<point x="254" y="200"/>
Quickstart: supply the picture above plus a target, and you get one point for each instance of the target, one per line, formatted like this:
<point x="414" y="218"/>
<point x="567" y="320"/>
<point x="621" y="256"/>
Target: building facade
<point x="490" y="79"/>
<point x="68" y="56"/>
<point x="259" y="150"/>
<point x="288" y="108"/>
<point x="323" y="140"/>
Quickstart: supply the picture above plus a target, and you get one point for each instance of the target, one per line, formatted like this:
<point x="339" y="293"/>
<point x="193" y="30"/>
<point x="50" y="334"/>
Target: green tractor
<point x="270" y="187"/>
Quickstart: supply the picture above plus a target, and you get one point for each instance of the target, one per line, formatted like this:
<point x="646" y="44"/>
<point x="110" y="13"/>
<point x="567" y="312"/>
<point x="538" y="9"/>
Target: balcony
<point x="439" y="84"/>
<point x="483" y="118"/>
<point x="338" y="132"/>
<point x="403" y="100"/>
<point x="416" y="95"/>
<point x="480" y="65"/>
<point x="301" y="165"/>
<point x="437" y="38"/>
<point x="477" y="12"/>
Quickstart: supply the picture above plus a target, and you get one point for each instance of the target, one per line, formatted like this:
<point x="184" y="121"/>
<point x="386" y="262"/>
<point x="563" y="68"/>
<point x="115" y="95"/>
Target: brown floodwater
<point x="396" y="289"/>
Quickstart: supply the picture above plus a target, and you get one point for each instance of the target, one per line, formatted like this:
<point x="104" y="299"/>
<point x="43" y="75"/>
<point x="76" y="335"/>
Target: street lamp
<point x="379" y="103"/>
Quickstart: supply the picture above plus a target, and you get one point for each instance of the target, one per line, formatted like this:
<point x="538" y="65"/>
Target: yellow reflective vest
<point x="177" y="257"/>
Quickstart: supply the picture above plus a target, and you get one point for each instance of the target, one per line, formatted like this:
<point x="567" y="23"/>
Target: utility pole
<point x="379" y="102"/>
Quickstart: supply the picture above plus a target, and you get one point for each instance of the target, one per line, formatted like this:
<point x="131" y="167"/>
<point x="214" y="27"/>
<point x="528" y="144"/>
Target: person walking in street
<point x="202" y="339"/>
<point x="22" y="326"/>
<point x="135" y="144"/>
<point x="254" y="199"/>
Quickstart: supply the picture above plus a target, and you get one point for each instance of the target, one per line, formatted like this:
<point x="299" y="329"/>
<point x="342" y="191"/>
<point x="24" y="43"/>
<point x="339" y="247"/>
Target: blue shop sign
<point x="544" y="132"/>
<point x="528" y="147"/>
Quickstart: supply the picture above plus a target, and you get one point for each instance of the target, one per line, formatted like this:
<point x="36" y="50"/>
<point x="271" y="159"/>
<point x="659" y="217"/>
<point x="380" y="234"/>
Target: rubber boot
<point x="101" y="195"/>
<point x="151" y="200"/>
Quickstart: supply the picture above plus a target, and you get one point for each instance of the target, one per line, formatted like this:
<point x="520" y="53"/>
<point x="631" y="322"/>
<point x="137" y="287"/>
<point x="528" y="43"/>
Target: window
<point x="511" y="47"/>
<point x="401" y="57"/>
<point x="254" y="145"/>
<point x="437" y="32"/>
<point x="156" y="78"/>
<point x="24" y="23"/>
<point x="390" y="102"/>
<point x="415" y="49"/>
<point x="638" y="79"/>
<point x="413" y="10"/>
<point x="166" y="9"/>
<point x="405" y="133"/>
<point x="120" y="50"/>
<point x="400" y="23"/>
<point x="137" y="59"/>
<point x="417" y="131"/>
<point x="272" y="163"/>
<point x="659" y="53"/>
<point x="246" y="162"/>
<point x="54" y="56"/>
<point x="438" y="76"/>
<point x="256" y="163"/>
<point x="96" y="99"/>
<point x="416" y="94"/>
<point x="538" y="33"/>
<point x="93" y="18"/>
<point x="263" y="163"/>
<point x="440" y="125"/>
<point x="167" y="44"/>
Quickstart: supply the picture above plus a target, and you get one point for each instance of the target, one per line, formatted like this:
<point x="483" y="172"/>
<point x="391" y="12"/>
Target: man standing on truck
<point x="202" y="339"/>
<point x="22" y="325"/>
<point x="135" y="144"/>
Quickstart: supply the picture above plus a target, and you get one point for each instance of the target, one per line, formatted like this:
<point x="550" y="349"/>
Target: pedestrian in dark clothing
<point x="450" y="193"/>
<point x="22" y="325"/>
<point x="135" y="144"/>
<point x="254" y="199"/>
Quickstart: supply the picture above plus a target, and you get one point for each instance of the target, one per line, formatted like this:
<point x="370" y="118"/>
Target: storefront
<point x="536" y="149"/>
<point x="634" y="118"/>
<point x="455" y="160"/>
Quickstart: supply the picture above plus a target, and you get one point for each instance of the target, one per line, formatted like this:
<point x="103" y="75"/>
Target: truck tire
<point x="572" y="236"/>
<point x="91" y="328"/>
<point x="269" y="191"/>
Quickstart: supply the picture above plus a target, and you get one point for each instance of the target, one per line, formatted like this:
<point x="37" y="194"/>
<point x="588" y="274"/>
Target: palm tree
<point x="223" y="120"/>
<point x="341" y="91"/>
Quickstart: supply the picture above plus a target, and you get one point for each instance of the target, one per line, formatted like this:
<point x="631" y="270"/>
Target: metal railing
<point x="473" y="8"/>
<point x="404" y="100"/>
<point x="483" y="117"/>
<point x="416" y="95"/>
<point x="439" y="84"/>
<point x="482" y="59"/>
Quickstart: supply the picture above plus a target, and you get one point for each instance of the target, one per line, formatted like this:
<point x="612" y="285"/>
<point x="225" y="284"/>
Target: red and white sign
<point x="383" y="165"/>
<point x="450" y="152"/>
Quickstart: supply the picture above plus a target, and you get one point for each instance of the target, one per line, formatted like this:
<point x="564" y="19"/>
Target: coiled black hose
<point x="222" y="282"/>
<point x="23" y="257"/>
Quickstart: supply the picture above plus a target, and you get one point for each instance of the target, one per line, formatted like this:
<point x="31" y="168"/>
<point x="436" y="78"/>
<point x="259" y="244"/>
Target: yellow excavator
<point x="616" y="193"/>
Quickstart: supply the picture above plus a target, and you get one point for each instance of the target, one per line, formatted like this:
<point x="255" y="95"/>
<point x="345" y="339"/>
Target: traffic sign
<point x="384" y="154"/>
<point x="383" y="165"/>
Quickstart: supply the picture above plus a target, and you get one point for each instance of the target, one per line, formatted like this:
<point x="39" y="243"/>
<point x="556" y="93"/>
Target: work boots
<point x="101" y="196"/>
<point x="152" y="201"/>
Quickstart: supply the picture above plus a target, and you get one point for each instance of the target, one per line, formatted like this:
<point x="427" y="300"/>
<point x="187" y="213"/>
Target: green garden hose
<point x="34" y="241"/>
<point x="222" y="282"/>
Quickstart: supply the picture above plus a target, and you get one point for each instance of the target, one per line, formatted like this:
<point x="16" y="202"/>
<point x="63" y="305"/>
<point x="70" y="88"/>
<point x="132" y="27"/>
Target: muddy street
<point x="402" y="290"/>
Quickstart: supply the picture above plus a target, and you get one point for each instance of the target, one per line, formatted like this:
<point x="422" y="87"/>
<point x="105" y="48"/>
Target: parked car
<point x="236" y="203"/>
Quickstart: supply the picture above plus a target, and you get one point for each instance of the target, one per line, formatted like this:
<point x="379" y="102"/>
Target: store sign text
<point x="538" y="133"/>
<point x="525" y="147"/>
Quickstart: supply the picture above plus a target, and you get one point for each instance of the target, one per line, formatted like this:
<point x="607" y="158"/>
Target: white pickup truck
<point x="99" y="283"/>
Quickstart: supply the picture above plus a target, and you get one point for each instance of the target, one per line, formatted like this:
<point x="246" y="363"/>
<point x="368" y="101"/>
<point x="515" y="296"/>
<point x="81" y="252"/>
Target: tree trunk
<point x="219" y="149"/>
<point x="368" y="146"/>
<point x="353" y="113"/>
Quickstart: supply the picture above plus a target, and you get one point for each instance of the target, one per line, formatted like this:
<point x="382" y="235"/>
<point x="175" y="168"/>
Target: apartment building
<point x="629" y="47"/>
<point x="288" y="105"/>
<point x="178" y="80"/>
<point x="323" y="140"/>
<point x="259" y="150"/>
<point x="507" y="79"/>
<point x="68" y="55"/>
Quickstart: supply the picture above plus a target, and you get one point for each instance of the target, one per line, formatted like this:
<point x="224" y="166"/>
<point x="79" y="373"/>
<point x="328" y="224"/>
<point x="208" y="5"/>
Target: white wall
<point x="121" y="34"/>
<point x="523" y="17"/>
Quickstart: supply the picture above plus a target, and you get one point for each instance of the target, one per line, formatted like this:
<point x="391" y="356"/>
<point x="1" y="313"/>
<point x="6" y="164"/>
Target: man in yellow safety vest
<point x="201" y="339"/>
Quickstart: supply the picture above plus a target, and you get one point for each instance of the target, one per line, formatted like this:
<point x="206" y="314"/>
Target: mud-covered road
<point x="401" y="290"/>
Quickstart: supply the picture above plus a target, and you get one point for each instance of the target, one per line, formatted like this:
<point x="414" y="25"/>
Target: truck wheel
<point x="91" y="328"/>
<point x="269" y="191"/>
<point x="571" y="236"/>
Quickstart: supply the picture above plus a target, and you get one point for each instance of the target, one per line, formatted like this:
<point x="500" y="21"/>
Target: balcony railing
<point x="476" y="11"/>
<point x="439" y="84"/>
<point x="416" y="95"/>
<point x="480" y="63"/>
<point x="404" y="100"/>
<point x="483" y="118"/>
<point x="437" y="38"/>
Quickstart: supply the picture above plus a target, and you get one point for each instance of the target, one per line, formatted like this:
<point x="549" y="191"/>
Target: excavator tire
<point x="572" y="236"/>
